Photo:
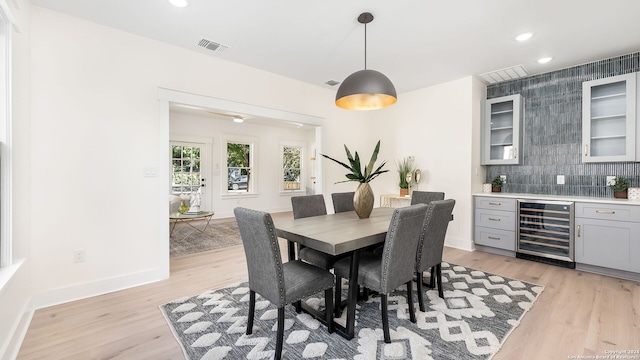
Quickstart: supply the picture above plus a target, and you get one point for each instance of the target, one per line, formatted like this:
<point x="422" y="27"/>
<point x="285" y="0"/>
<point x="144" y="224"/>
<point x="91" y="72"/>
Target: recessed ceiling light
<point x="179" y="3"/>
<point x="524" y="36"/>
<point x="544" y="60"/>
<point x="237" y="119"/>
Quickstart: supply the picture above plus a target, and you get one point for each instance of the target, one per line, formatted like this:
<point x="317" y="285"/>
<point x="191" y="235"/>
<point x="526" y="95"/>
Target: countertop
<point x="599" y="200"/>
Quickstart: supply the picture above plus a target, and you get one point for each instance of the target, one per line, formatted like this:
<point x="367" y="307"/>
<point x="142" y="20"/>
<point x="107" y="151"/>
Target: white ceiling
<point x="416" y="43"/>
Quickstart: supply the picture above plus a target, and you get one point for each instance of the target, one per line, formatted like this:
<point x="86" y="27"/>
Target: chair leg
<point x="412" y="311"/>
<point x="252" y="310"/>
<point x="439" y="277"/>
<point x="419" y="280"/>
<point x="280" y="335"/>
<point x="338" y="297"/>
<point x="432" y="280"/>
<point x="328" y="304"/>
<point x="365" y="294"/>
<point x="385" y="318"/>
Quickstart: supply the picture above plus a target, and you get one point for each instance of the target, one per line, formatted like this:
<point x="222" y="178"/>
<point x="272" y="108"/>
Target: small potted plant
<point x="496" y="184"/>
<point x="620" y="186"/>
<point x="405" y="171"/>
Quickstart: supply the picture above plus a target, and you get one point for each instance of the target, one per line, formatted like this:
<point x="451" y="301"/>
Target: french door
<point x="189" y="171"/>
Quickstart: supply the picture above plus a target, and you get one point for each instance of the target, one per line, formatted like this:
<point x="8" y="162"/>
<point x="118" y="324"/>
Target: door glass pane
<point x="291" y="163"/>
<point x="501" y="131"/>
<point x="185" y="167"/>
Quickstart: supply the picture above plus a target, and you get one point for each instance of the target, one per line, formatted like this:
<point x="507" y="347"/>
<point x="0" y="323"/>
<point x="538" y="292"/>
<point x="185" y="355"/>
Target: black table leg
<point x="291" y="249"/>
<point x="353" y="294"/>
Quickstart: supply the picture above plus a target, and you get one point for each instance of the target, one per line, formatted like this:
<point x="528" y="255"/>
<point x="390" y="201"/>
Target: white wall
<point x="437" y="125"/>
<point x="267" y="151"/>
<point x="96" y="125"/>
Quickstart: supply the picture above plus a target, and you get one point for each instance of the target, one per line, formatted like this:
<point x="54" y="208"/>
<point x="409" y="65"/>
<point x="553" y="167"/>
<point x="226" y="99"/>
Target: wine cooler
<point x="545" y="232"/>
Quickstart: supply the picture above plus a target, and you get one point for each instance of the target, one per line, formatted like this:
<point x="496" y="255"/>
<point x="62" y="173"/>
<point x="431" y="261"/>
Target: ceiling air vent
<point x="510" y="73"/>
<point x="213" y="46"/>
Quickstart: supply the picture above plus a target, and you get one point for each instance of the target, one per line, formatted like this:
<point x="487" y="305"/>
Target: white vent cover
<point x="213" y="46"/>
<point x="510" y="73"/>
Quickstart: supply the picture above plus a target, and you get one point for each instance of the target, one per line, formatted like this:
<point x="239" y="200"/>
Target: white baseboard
<point x="462" y="244"/>
<point x="15" y="342"/>
<point x="95" y="288"/>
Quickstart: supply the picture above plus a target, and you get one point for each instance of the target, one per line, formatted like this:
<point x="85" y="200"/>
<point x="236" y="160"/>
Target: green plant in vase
<point x="620" y="187"/>
<point x="363" y="198"/>
<point x="405" y="172"/>
<point x="496" y="184"/>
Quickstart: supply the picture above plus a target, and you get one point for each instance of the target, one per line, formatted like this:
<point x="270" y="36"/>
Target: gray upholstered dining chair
<point x="386" y="273"/>
<point x="280" y="283"/>
<point x="431" y="245"/>
<point x="425" y="197"/>
<point x="306" y="206"/>
<point x="343" y="202"/>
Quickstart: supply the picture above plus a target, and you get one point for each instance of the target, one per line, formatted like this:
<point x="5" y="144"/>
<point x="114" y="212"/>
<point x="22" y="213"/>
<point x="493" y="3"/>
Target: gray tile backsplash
<point x="552" y="139"/>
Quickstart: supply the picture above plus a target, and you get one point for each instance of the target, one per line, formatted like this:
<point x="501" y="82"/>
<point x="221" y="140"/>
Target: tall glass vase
<point x="363" y="200"/>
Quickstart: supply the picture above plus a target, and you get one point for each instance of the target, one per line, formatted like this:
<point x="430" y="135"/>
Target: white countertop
<point x="561" y="198"/>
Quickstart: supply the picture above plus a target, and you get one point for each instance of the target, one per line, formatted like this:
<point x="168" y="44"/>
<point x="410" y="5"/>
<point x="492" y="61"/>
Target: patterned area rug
<point x="478" y="313"/>
<point x="185" y="240"/>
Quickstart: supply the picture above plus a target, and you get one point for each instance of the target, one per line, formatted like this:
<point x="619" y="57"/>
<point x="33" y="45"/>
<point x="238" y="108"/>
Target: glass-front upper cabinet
<point x="609" y="119"/>
<point x="502" y="130"/>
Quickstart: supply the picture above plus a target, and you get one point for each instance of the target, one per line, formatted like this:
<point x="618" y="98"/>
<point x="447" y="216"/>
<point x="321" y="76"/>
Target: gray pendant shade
<point x="366" y="89"/>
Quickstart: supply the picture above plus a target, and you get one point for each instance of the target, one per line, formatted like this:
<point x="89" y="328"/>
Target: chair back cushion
<point x="343" y="201"/>
<point x="308" y="205"/>
<point x="400" y="245"/>
<point x="425" y="197"/>
<point x="432" y="240"/>
<point x="263" y="254"/>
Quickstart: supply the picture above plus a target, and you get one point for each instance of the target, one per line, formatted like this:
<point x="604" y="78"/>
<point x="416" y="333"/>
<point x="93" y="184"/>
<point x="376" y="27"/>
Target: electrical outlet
<point x="560" y="179"/>
<point x="611" y="180"/>
<point x="504" y="178"/>
<point x="79" y="256"/>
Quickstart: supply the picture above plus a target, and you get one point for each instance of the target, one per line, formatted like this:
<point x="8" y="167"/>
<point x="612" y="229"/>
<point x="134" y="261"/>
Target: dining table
<point x="338" y="234"/>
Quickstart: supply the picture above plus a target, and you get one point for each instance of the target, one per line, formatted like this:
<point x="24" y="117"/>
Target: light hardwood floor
<point x="578" y="314"/>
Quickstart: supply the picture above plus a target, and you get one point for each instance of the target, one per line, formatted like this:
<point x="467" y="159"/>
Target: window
<point x="185" y="166"/>
<point x="292" y="166"/>
<point x="239" y="167"/>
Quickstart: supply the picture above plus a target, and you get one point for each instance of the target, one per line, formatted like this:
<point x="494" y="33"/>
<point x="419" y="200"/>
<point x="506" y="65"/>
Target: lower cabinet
<point x="495" y="223"/>
<point x="608" y="236"/>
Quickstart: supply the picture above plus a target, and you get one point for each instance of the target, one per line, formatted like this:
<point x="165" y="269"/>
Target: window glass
<point x="238" y="167"/>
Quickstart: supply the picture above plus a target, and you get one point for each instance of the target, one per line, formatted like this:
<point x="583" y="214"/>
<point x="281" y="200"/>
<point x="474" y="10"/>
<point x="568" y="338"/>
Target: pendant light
<point x="366" y="89"/>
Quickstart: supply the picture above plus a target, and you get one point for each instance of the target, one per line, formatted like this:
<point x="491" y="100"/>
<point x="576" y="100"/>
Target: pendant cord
<point x="365" y="46"/>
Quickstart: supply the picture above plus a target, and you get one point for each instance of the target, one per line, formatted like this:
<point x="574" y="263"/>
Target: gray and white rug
<point x="478" y="313"/>
<point x="185" y="240"/>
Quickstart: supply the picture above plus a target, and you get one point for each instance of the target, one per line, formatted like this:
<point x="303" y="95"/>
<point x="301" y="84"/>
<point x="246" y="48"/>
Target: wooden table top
<point x="337" y="233"/>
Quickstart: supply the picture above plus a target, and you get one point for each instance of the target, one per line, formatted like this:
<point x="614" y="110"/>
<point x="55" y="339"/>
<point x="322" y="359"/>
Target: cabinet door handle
<point x="494" y="219"/>
<point x="586" y="150"/>
<point x="495" y="203"/>
<point x="493" y="238"/>
<point x="578" y="230"/>
<point x="605" y="212"/>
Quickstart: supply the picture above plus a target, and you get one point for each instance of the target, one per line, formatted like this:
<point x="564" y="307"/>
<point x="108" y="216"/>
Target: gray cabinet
<point x="609" y="123"/>
<point x="495" y="223"/>
<point x="608" y="236"/>
<point x="502" y="130"/>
